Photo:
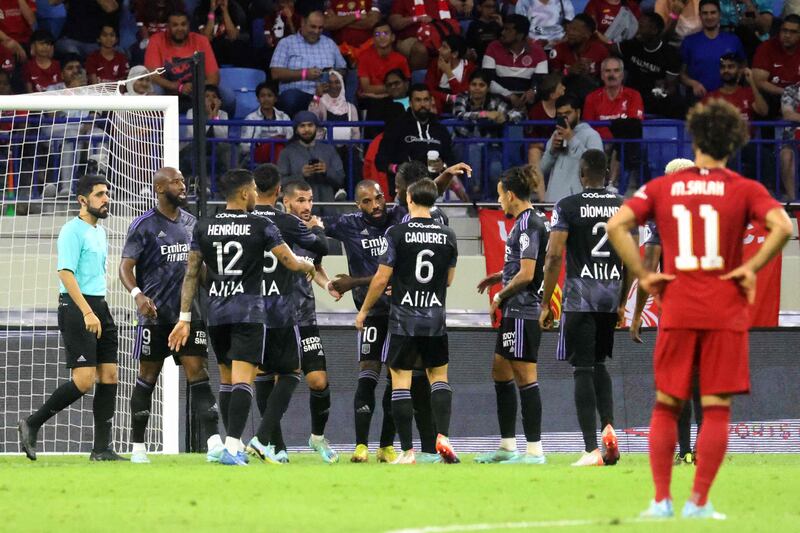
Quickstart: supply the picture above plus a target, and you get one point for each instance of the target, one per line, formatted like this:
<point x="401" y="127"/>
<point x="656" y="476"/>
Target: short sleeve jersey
<point x="594" y="270"/>
<point x="233" y="244"/>
<point x="646" y="67"/>
<point x="83" y="250"/>
<point x="421" y="253"/>
<point x="702" y="216"/>
<point x="113" y="69"/>
<point x="598" y="106"/>
<point x="160" y="247"/>
<point x="305" y="303"/>
<point x="175" y="59"/>
<point x="42" y="78"/>
<point x="527" y="240"/>
<point x="783" y="67"/>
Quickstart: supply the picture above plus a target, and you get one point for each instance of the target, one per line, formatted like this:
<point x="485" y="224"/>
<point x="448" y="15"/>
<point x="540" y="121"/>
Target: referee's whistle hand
<point x="93" y="324"/>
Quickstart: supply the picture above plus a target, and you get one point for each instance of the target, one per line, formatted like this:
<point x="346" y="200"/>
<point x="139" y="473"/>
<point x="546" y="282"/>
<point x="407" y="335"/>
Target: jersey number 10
<point x="686" y="260"/>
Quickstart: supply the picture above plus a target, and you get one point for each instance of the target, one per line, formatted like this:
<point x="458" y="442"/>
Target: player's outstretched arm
<point x="287" y="258"/>
<point x="91" y="321"/>
<point x="180" y="333"/>
<point x="126" y="277"/>
<point x="652" y="254"/>
<point x="552" y="268"/>
<point x="342" y="283"/>
<point x="321" y="278"/>
<point x="443" y="180"/>
<point x="489" y="281"/>
<point x="376" y="288"/>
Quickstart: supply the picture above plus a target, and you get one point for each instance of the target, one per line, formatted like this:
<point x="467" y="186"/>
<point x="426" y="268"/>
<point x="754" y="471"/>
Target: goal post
<point x="47" y="140"/>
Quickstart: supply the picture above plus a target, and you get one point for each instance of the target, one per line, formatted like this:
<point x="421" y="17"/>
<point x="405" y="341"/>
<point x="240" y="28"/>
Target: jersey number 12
<point x="686" y="260"/>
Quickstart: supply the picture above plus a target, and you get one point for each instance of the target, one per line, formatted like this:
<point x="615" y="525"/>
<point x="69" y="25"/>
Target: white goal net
<point x="47" y="141"/>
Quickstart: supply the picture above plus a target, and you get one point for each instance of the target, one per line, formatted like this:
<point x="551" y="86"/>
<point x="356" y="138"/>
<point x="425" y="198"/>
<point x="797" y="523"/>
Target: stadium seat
<point x="246" y="102"/>
<point x="661" y="144"/>
<point x="238" y="86"/>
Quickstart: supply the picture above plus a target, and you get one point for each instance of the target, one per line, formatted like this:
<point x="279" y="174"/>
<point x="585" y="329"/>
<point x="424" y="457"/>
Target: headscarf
<point x="135" y="72"/>
<point x="338" y="105"/>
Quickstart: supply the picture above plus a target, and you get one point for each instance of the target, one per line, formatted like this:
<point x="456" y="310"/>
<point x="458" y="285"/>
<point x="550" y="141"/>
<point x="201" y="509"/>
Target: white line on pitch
<point x="517" y="525"/>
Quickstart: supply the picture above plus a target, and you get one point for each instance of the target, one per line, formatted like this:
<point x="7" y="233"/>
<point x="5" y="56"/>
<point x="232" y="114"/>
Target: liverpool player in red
<point x="701" y="214"/>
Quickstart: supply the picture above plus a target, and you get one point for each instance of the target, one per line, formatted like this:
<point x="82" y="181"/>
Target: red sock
<point x="712" y="442"/>
<point x="663" y="436"/>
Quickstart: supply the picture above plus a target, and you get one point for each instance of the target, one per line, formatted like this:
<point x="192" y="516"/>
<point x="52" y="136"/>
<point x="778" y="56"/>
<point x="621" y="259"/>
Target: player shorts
<point x="586" y="338"/>
<point x="82" y="346"/>
<point x="237" y="342"/>
<point x="281" y="350"/>
<point x="151" y="342"/>
<point x="405" y="352"/>
<point x="312" y="355"/>
<point x="720" y="356"/>
<point x="372" y="341"/>
<point x="518" y="339"/>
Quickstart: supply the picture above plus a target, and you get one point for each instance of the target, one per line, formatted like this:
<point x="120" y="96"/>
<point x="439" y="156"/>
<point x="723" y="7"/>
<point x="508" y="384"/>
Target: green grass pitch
<point x="183" y="493"/>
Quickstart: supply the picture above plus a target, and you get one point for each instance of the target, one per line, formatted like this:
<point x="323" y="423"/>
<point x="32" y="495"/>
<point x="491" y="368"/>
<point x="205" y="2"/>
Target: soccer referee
<point x="89" y="332"/>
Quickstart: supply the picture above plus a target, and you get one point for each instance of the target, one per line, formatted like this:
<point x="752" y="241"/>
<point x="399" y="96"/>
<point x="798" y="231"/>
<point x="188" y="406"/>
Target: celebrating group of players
<point x="256" y="264"/>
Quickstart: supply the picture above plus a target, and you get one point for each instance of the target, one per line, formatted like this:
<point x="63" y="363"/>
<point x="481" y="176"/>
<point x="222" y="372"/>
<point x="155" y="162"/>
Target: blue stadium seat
<point x="661" y="144"/>
<point x="579" y="5"/>
<point x="246" y="102"/>
<point x="241" y="79"/>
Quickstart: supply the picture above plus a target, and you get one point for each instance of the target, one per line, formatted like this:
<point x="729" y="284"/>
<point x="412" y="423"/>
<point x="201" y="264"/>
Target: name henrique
<point x="229" y="229"/>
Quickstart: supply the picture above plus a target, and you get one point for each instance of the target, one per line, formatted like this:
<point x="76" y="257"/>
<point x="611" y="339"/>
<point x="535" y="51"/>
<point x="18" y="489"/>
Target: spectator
<point x="376" y="61"/>
<point x="750" y="20"/>
<point x="221" y="21"/>
<point x="16" y="25"/>
<point x="72" y="74"/>
<point x="561" y="160"/>
<point x="136" y="85"/>
<point x="514" y="61"/>
<point x="172" y="50"/>
<point x="41" y="71"/>
<point x="776" y="64"/>
<point x="107" y="63"/>
<point x="217" y="154"/>
<point x="299" y="61"/>
<point x="653" y="68"/>
<point x="85" y="19"/>
<point x="681" y="18"/>
<point x="550" y="90"/>
<point x="350" y="22"/>
<point x="151" y="18"/>
<point x="484" y="28"/>
<point x="304" y="158"/>
<point x="616" y="20"/>
<point x="547" y="19"/>
<point x="8" y="61"/>
<point x="418" y="23"/>
<point x="284" y="21"/>
<point x="449" y="76"/>
<point x="790" y="106"/>
<point x="330" y="105"/>
<point x="267" y="93"/>
<point x="578" y="57"/>
<point x="393" y="105"/>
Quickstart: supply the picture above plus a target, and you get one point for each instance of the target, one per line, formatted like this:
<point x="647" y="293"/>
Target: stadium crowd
<point x="412" y="63"/>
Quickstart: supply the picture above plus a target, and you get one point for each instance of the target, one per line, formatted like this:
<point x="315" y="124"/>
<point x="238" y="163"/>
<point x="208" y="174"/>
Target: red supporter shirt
<point x="348" y="35"/>
<point x="406" y="9"/>
<point x="540" y="131"/>
<point x="8" y="61"/>
<point x="373" y="66"/>
<point x="562" y="56"/>
<point x="742" y="100"/>
<point x="162" y="53"/>
<point x="114" y="69"/>
<point x="41" y="78"/>
<point x="783" y="68"/>
<point x="604" y="13"/>
<point x="702" y="216"/>
<point x="11" y="21"/>
<point x="598" y="106"/>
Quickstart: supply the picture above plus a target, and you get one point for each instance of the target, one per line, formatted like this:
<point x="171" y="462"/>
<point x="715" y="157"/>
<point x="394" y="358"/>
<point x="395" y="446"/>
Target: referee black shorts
<point x="151" y="342"/>
<point x="237" y="342"/>
<point x="586" y="338"/>
<point x="82" y="346"/>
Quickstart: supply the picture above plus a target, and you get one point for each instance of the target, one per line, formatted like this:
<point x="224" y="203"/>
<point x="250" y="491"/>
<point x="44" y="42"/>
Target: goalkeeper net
<point x="47" y="141"/>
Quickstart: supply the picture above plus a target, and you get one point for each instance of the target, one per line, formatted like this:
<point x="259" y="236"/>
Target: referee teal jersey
<point x="82" y="249"/>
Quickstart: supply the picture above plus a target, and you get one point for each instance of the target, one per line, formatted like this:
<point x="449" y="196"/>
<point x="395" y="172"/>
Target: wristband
<point x="673" y="16"/>
<point x="89" y="313"/>
<point x="414" y="19"/>
<point x="316" y="98"/>
<point x="136" y="291"/>
<point x="304" y="74"/>
<point x="180" y="88"/>
<point x="482" y="114"/>
<point x="358" y="15"/>
<point x="497" y="299"/>
<point x="393" y="167"/>
<point x="211" y="16"/>
<point x="185" y="317"/>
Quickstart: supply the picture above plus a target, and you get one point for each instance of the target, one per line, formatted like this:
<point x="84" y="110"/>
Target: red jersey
<point x="562" y="56"/>
<point x="348" y="35"/>
<point x="599" y="106"/>
<point x="373" y="66"/>
<point x="41" y="78"/>
<point x="12" y="23"/>
<point x="604" y="12"/>
<point x="8" y="61"/>
<point x="162" y="53"/>
<point x="702" y="216"/>
<point x="783" y="68"/>
<point x="433" y="8"/>
<point x="114" y="69"/>
<point x="742" y="99"/>
<point x="540" y="131"/>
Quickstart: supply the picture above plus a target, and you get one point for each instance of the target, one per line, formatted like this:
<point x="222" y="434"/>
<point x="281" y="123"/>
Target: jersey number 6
<point x="424" y="265"/>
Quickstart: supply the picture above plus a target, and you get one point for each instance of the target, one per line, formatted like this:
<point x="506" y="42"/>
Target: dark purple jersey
<point x="399" y="213"/>
<point x="527" y="240"/>
<point x="651" y="236"/>
<point x="305" y="304"/>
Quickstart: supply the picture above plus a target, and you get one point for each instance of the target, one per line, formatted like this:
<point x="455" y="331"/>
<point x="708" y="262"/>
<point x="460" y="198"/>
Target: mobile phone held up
<point x="561" y="121"/>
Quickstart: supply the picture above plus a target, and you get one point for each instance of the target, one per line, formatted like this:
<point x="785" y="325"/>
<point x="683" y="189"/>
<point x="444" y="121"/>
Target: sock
<point x="531" y="402"/>
<point x="233" y="446"/>
<point x="663" y="434"/>
<point x="276" y="406"/>
<point x="224" y="403"/>
<point x="238" y="410"/>
<point x="204" y="406"/>
<point x="697" y="407"/>
<point x="319" y="402"/>
<point x="140" y="409"/>
<point x="264" y="384"/>
<point x="402" y="412"/>
<point x="139" y="447"/>
<point x="387" y="425"/>
<point x="712" y="442"/>
<point x="534" y="448"/>
<point x="508" y="444"/>
<point x="585" y="405"/>
<point x="65" y="395"/>
<point x="506" y="394"/>
<point x="441" y="403"/>
<point x="103" y="407"/>
<point x="423" y="414"/>
<point x="364" y="404"/>
<point x="604" y="394"/>
<point x="685" y="429"/>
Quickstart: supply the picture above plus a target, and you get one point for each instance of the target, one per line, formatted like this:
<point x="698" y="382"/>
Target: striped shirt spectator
<point x="514" y="59"/>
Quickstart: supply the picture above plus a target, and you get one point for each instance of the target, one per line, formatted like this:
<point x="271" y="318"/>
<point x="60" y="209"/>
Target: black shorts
<point x="404" y="352"/>
<point x="518" y="339"/>
<point x="586" y="338"/>
<point x="151" y="344"/>
<point x="281" y="350"/>
<point x="372" y="340"/>
<point x="237" y="342"/>
<point x="82" y="346"/>
<point x="312" y="355"/>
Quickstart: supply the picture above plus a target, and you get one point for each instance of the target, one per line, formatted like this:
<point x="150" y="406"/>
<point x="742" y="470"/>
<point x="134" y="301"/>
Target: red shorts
<point x="720" y="357"/>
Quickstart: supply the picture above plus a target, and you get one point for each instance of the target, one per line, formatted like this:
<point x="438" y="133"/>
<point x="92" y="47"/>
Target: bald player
<point x="152" y="268"/>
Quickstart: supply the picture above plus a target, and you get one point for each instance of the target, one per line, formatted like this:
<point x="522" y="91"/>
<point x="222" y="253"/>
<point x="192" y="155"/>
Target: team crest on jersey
<point x="554" y="217"/>
<point x="365" y="349"/>
<point x="524" y="242"/>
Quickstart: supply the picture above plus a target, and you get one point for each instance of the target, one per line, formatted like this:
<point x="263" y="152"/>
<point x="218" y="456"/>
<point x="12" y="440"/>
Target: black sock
<point x="387" y="426"/>
<point x="103" y="407"/>
<point x="239" y="409"/>
<point x="264" y="385"/>
<point x="604" y="393"/>
<point x="685" y="429"/>
<point x="506" y="394"/>
<point x="224" y="403"/>
<point x="65" y="395"/>
<point x="204" y="407"/>
<point x="402" y="412"/>
<point x="441" y="403"/>
<point x="531" y="402"/>
<point x="319" y="402"/>
<point x="696" y="404"/>
<point x="585" y="405"/>
<point x="423" y="414"/>
<point x="364" y="404"/>
<point x="276" y="406"/>
<point x="140" y="409"/>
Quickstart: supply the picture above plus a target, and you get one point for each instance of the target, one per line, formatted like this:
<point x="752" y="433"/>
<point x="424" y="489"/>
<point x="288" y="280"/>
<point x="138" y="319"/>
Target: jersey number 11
<point x="686" y="260"/>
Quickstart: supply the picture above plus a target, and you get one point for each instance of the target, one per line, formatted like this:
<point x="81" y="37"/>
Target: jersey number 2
<point x="686" y="260"/>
